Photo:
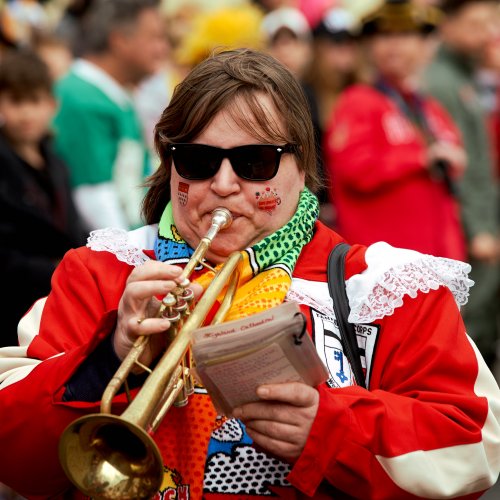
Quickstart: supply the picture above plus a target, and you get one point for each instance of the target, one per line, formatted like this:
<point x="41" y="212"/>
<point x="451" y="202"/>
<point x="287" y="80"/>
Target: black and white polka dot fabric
<point x="234" y="467"/>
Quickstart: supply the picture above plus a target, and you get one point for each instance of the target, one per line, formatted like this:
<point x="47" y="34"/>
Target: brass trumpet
<point x="113" y="457"/>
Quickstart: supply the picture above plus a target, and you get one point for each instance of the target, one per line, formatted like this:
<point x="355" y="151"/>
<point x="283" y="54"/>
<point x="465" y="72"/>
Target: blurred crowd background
<point x="404" y="96"/>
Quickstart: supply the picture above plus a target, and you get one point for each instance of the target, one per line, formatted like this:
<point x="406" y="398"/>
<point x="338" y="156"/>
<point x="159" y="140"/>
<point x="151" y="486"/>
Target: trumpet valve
<point x="167" y="308"/>
<point x="169" y="300"/>
<point x="181" y="305"/>
<point x="188" y="295"/>
<point x="184" y="284"/>
<point x="172" y="316"/>
<point x="181" y="288"/>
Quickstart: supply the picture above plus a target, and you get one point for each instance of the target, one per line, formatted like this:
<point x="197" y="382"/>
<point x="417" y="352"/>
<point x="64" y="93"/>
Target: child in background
<point x="38" y="220"/>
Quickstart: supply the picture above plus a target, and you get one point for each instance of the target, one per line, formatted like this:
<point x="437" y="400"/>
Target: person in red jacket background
<point x="393" y="153"/>
<point x="489" y="81"/>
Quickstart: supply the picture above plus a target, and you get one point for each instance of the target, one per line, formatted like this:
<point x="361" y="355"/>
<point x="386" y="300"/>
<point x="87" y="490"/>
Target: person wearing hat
<point x="393" y="153"/>
<point x="335" y="62"/>
<point x="400" y="16"/>
<point x="466" y="32"/>
<point x="334" y="66"/>
<point x="288" y="38"/>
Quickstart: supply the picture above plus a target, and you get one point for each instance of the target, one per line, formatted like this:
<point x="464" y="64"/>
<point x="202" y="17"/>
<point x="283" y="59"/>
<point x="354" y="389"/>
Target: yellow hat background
<point x="225" y="28"/>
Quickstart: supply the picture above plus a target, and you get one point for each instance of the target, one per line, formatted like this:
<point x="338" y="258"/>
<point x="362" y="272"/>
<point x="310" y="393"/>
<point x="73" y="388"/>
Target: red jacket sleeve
<point x="357" y="151"/>
<point x="422" y="429"/>
<point x="73" y="322"/>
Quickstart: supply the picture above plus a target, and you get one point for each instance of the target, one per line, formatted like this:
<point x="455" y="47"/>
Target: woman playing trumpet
<point x="237" y="134"/>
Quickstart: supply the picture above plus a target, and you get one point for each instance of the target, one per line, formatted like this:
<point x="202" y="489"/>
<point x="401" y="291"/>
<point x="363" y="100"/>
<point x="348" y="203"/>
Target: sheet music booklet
<point x="232" y="359"/>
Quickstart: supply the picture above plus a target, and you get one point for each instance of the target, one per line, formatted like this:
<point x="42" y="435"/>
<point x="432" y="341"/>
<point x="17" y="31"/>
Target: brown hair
<point x="222" y="82"/>
<point x="23" y="74"/>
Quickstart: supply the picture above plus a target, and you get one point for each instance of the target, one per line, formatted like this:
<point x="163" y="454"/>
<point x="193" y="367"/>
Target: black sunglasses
<point x="253" y="162"/>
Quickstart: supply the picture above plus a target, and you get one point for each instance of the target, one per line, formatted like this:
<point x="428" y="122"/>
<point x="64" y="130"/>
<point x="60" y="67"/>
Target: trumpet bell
<point x="110" y="458"/>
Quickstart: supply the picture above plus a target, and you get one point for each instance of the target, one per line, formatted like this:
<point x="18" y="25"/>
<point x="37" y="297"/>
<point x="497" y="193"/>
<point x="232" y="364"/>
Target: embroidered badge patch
<point x="328" y="343"/>
<point x="329" y="346"/>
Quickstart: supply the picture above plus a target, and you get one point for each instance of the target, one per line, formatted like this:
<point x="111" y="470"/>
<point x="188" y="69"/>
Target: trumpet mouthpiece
<point x="221" y="219"/>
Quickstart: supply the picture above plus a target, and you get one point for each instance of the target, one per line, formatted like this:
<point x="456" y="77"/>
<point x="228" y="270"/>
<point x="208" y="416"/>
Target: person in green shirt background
<point x="98" y="132"/>
<point x="465" y="32"/>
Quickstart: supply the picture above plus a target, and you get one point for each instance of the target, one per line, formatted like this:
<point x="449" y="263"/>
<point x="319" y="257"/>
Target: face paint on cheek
<point x="268" y="200"/>
<point x="182" y="193"/>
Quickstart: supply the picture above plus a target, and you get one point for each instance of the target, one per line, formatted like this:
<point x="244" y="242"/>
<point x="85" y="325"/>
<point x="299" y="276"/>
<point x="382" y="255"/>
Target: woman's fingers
<point x="142" y="290"/>
<point x="140" y="304"/>
<point x="154" y="270"/>
<point x="281" y="420"/>
<point x="148" y="326"/>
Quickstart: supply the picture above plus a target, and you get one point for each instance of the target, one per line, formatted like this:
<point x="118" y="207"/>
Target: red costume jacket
<point x="428" y="425"/>
<point x="380" y="184"/>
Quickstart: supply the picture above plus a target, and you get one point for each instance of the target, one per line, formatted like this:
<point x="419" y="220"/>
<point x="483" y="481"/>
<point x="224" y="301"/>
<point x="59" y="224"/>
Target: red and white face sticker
<point x="267" y="200"/>
<point x="182" y="193"/>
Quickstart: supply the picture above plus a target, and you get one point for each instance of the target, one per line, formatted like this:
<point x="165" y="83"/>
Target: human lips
<point x="234" y="213"/>
<point x="232" y="226"/>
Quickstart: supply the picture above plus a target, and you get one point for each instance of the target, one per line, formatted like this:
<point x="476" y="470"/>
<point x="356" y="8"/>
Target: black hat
<point x="396" y="16"/>
<point x="337" y="24"/>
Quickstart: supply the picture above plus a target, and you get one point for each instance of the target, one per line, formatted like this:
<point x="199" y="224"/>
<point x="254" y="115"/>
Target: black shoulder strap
<point x="336" y="286"/>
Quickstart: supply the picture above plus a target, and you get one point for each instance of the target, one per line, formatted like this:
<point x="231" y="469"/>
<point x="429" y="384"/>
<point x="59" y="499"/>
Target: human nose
<point x="225" y="181"/>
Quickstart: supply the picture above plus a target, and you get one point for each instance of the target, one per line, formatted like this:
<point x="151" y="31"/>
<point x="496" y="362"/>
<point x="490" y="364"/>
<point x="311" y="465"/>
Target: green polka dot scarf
<point x="266" y="267"/>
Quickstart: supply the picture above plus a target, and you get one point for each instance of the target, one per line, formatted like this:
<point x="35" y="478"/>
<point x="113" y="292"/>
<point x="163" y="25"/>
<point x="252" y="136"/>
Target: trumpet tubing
<point x="114" y="457"/>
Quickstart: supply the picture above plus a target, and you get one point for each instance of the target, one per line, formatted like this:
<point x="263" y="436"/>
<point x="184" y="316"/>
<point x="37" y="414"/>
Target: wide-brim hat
<point x="399" y="16"/>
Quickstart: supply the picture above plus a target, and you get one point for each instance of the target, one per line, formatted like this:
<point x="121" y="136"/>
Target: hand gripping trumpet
<point x="114" y="457"/>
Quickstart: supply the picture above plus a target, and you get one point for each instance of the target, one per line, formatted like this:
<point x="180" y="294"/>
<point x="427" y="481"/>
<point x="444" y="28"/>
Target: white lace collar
<point x="393" y="273"/>
<point x="126" y="246"/>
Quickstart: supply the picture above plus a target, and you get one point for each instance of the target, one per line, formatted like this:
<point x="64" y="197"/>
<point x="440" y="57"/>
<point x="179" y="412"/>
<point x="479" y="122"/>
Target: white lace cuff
<point x="126" y="246"/>
<point x="393" y="273"/>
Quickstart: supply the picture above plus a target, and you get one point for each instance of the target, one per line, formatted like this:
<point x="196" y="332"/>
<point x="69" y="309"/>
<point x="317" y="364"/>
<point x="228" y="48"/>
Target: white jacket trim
<point x="447" y="472"/>
<point x="393" y="273"/>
